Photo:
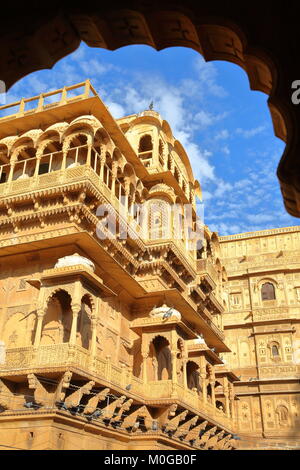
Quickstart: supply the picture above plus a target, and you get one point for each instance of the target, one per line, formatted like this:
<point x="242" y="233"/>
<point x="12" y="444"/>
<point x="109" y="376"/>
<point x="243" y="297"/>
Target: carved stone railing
<point x="55" y="178"/>
<point x="44" y="101"/>
<point x="216" y="330"/>
<point x="18" y="358"/>
<point x="137" y="386"/>
<point x="159" y="389"/>
<point x="49" y="355"/>
<point x="52" y="355"/>
<point x="116" y="375"/>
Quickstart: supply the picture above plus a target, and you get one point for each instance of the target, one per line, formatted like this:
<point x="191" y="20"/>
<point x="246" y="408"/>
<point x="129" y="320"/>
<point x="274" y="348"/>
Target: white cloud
<point x="95" y="67"/>
<point x="115" y="109"/>
<point x="207" y="74"/>
<point x="248" y="133"/>
<point x="226" y="229"/>
<point x="260" y="218"/>
<point x="222" y="135"/>
<point x="225" y="150"/>
<point x="222" y="188"/>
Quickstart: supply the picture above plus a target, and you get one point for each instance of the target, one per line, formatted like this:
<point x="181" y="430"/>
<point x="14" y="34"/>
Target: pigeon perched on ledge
<point x="168" y="314"/>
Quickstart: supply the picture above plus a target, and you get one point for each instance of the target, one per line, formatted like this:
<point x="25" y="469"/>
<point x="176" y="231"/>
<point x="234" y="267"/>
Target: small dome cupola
<point x="75" y="260"/>
<point x="200" y="340"/>
<point x="164" y="312"/>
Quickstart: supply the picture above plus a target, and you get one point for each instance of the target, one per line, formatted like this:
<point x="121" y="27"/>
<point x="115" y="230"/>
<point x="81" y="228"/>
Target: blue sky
<point x="225" y="127"/>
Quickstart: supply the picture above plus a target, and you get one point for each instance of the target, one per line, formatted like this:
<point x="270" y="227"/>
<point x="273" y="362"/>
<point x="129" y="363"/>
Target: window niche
<point x="268" y="291"/>
<point x="274" y="349"/>
<point x="236" y="300"/>
<point x="145" y="149"/>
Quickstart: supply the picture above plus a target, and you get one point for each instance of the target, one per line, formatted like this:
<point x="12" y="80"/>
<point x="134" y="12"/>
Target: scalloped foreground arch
<point x="260" y="37"/>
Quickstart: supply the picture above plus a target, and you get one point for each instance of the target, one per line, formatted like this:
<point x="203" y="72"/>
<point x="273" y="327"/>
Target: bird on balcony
<point x="168" y="314"/>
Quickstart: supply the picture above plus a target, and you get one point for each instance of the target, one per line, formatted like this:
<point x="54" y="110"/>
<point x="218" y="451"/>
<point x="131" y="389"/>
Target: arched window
<point x="57" y="320"/>
<point x="275" y="352"/>
<point x="192" y="374"/>
<point x="160" y="359"/>
<point x="268" y="291"/>
<point x="145" y="144"/>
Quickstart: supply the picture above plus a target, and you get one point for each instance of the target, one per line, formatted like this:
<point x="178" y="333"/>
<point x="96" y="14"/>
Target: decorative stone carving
<point x="94" y="401"/>
<point x="73" y="400"/>
<point x="41" y="396"/>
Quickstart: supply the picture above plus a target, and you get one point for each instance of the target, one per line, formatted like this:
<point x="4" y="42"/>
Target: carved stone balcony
<point x="207" y="272"/>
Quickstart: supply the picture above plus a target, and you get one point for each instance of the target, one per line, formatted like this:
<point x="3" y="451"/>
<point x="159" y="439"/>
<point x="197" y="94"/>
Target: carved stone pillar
<point x="174" y="372"/>
<point x="231" y="400"/>
<point x="227" y="403"/>
<point x="184" y="362"/>
<point x="174" y="366"/>
<point x="102" y="162"/>
<point x="197" y="374"/>
<point x="203" y="376"/>
<point x="126" y="199"/>
<point x="12" y="169"/>
<point x="204" y="389"/>
<point x="144" y="369"/>
<point x="37" y="165"/>
<point x="212" y="382"/>
<point x="76" y="308"/>
<point x="226" y="395"/>
<point x="89" y="153"/>
<point x="38" y="331"/>
<point x="213" y="395"/>
<point x="113" y="178"/>
<point x="93" y="344"/>
<point x="131" y="209"/>
<point x="64" y="160"/>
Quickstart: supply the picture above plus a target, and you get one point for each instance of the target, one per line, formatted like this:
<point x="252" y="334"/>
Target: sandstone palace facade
<point x="117" y="332"/>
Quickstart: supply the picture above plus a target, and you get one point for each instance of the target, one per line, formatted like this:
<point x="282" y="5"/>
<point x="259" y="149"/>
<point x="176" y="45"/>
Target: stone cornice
<point x="261" y="233"/>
